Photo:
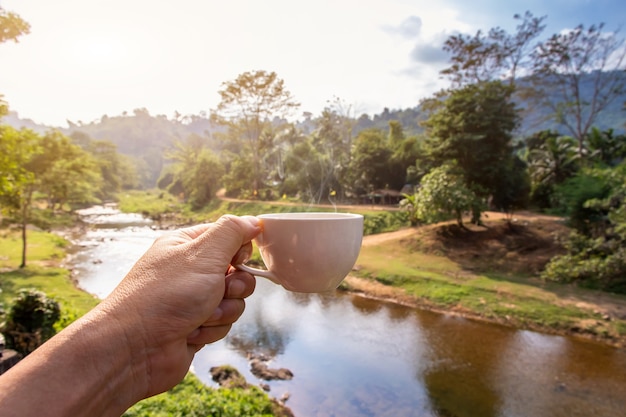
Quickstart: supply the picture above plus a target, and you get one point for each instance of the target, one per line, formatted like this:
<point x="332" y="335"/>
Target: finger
<point x="222" y="241"/>
<point x="181" y="236"/>
<point x="205" y="335"/>
<point x="227" y="312"/>
<point x="243" y="254"/>
<point x="239" y="284"/>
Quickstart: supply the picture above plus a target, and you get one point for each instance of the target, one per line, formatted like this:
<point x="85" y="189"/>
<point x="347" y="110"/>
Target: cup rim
<point x="310" y="216"/>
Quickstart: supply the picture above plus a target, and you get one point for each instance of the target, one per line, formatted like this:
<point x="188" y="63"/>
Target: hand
<point x="141" y="339"/>
<point x="182" y="294"/>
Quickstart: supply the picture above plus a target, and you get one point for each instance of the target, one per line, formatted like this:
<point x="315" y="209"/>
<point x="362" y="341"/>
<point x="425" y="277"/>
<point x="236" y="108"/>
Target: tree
<point x="248" y="105"/>
<point x="442" y="195"/>
<point x="12" y="26"/>
<point x="309" y="173"/>
<point x="497" y="55"/>
<point x="584" y="73"/>
<point x="596" y="253"/>
<point x="472" y="128"/>
<point x="64" y="172"/>
<point x="117" y="170"/>
<point x="196" y="172"/>
<point x="551" y="160"/>
<point x="17" y="148"/>
<point x="605" y="147"/>
<point x="369" y="166"/>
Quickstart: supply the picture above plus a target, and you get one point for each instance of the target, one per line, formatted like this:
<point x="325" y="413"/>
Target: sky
<point x="87" y="58"/>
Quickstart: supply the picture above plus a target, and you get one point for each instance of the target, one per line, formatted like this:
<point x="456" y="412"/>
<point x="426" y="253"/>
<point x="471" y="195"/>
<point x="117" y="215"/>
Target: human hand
<point x="182" y="294"/>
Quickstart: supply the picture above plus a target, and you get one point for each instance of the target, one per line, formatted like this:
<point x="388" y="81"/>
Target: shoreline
<point x="367" y="288"/>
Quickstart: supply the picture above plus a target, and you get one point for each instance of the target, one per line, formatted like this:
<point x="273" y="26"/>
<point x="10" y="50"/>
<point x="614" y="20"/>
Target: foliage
<point x="309" y="173"/>
<point x="12" y="26"/>
<point x="117" y="171"/>
<point x="409" y="205"/>
<point x="596" y="256"/>
<point x="562" y="59"/>
<point x="195" y="174"/>
<point x="472" y="128"/>
<point x="369" y="167"/>
<point x="30" y="320"/>
<point x="551" y="159"/>
<point x="16" y="148"/>
<point x="385" y="221"/>
<point x="573" y="75"/>
<point x="571" y="199"/>
<point x="443" y="195"/>
<point x="64" y="172"/>
<point x="247" y="107"/>
<point x="496" y="55"/>
<point x="594" y="263"/>
<point x="191" y="398"/>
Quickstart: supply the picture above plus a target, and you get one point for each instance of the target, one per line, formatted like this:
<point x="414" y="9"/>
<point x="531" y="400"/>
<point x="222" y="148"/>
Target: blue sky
<point x="87" y="58"/>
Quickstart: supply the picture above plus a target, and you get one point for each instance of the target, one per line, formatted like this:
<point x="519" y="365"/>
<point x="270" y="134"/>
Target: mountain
<point x="144" y="136"/>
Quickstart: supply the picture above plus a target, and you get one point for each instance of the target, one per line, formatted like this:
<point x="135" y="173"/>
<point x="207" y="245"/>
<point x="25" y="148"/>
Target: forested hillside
<point x="138" y="131"/>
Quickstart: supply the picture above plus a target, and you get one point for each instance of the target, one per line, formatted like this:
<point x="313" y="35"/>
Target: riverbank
<point x="488" y="274"/>
<point x="483" y="273"/>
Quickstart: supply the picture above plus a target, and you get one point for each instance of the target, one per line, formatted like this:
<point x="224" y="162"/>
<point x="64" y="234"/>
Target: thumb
<point x="221" y="242"/>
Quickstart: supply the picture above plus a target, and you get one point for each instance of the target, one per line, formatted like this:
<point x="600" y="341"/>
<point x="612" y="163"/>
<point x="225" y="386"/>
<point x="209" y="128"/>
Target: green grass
<point x="45" y="251"/>
<point x="159" y="204"/>
<point x="192" y="398"/>
<point x="443" y="284"/>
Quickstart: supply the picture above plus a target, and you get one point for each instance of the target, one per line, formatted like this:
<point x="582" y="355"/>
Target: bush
<point x="592" y="263"/>
<point x="30" y="321"/>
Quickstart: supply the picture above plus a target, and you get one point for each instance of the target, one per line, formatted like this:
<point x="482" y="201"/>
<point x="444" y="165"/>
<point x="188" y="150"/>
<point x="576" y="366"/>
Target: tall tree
<point x="248" y="105"/>
<point x="578" y="74"/>
<point x="369" y="166"/>
<point x="492" y="56"/>
<point x="472" y="128"/>
<point x="17" y="148"/>
<point x="64" y="172"/>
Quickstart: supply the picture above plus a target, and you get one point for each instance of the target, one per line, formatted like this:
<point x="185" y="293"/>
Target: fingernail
<point x="217" y="314"/>
<point x="236" y="288"/>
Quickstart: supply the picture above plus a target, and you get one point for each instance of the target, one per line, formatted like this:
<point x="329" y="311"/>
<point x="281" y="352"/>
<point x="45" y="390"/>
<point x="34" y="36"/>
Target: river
<point x="353" y="356"/>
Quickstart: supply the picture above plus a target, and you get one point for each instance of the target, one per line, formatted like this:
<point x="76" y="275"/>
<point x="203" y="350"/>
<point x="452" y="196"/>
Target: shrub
<point x="30" y="321"/>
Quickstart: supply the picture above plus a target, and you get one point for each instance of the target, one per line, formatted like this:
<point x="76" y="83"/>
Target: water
<point x="357" y="357"/>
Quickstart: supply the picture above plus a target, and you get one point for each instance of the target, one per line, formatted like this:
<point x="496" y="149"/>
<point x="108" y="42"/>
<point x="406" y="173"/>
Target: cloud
<point x="410" y="28"/>
<point x="431" y="53"/>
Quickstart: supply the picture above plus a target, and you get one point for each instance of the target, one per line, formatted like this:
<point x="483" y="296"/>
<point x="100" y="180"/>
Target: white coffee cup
<point x="308" y="252"/>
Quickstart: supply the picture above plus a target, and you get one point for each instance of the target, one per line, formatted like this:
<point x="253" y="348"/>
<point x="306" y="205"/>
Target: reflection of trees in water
<point x="463" y="356"/>
<point x="365" y="305"/>
<point x="454" y="393"/>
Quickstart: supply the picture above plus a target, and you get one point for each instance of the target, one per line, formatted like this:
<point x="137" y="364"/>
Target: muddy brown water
<point x="352" y="356"/>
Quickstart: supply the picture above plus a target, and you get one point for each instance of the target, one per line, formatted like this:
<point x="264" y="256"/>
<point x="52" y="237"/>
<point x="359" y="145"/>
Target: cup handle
<point x="258" y="272"/>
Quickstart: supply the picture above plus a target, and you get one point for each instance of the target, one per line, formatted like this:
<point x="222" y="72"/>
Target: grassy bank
<point x="487" y="273"/>
<point x="43" y="271"/>
<point x="482" y="278"/>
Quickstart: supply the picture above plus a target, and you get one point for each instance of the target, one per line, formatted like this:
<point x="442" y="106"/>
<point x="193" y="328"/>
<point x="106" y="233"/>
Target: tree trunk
<point x="24" y="222"/>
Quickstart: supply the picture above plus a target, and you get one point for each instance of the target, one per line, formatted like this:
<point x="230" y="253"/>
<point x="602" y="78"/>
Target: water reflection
<point x="357" y="357"/>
